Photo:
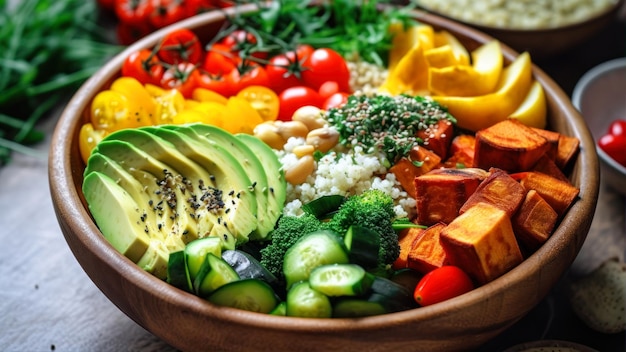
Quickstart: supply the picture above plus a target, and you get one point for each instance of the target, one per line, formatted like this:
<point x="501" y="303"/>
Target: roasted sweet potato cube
<point x="498" y="189"/>
<point x="559" y="194"/>
<point x="549" y="167"/>
<point x="461" y="151"/>
<point x="481" y="241"/>
<point x="438" y="137"/>
<point x="405" y="240"/>
<point x="440" y="193"/>
<point x="534" y="222"/>
<point x="426" y="252"/>
<point x="509" y="145"/>
<point x="420" y="161"/>
<point x="568" y="148"/>
<point x="553" y="140"/>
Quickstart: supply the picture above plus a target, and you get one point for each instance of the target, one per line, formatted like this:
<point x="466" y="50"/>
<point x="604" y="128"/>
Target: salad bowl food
<point x="189" y="322"/>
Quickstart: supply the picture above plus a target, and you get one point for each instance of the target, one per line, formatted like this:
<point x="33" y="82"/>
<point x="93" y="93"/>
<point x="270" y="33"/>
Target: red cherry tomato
<point x="614" y="146"/>
<point x="166" y="12"/>
<point x="128" y="33"/>
<point x="325" y="65"/>
<point x="328" y="88"/>
<point x="291" y="99"/>
<point x="144" y="66"/>
<point x="183" y="77"/>
<point x="250" y="75"/>
<point x="195" y="7"/>
<point x="617" y="128"/>
<point x="335" y="100"/>
<point x="180" y="45"/>
<point x="441" y="284"/>
<point x="134" y="12"/>
<point x="217" y="83"/>
<point x="220" y="60"/>
<point x="280" y="75"/>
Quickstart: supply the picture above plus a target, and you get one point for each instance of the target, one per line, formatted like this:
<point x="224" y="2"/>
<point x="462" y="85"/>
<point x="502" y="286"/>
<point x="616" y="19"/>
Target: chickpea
<point x="311" y="116"/>
<point x="268" y="133"/>
<point x="298" y="173"/>
<point x="303" y="150"/>
<point x="289" y="129"/>
<point x="323" y="139"/>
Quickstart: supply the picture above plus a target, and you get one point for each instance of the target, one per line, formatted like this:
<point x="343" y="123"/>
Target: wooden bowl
<point x="190" y="323"/>
<point x="545" y="43"/>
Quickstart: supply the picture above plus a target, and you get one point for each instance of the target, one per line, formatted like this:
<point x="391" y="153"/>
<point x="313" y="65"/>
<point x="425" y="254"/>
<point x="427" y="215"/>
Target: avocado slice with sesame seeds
<point x="268" y="206"/>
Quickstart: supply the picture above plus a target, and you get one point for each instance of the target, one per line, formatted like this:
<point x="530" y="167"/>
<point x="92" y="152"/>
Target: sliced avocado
<point x="277" y="185"/>
<point x="155" y="259"/>
<point x="117" y="215"/>
<point x="240" y="202"/>
<point x="176" y="219"/>
<point x="266" y="205"/>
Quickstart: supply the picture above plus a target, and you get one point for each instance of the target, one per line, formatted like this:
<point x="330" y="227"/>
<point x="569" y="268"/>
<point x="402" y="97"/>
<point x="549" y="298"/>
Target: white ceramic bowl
<point x="600" y="96"/>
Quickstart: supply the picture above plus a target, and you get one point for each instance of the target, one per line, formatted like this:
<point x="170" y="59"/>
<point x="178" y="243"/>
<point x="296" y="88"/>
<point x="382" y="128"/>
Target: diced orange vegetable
<point x="441" y="193"/>
<point x="498" y="189"/>
<point x="568" y="148"/>
<point x="481" y="242"/>
<point x="559" y="194"/>
<point x="534" y="222"/>
<point x="461" y="151"/>
<point x="438" y="138"/>
<point x="427" y="254"/>
<point x="419" y="162"/>
<point x="405" y="240"/>
<point x="547" y="165"/>
<point x="552" y="138"/>
<point x="509" y="145"/>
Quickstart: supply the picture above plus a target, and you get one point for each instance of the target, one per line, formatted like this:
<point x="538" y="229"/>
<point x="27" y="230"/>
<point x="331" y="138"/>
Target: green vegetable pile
<point x="47" y="49"/>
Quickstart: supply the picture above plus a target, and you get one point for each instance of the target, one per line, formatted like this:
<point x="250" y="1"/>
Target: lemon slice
<point x="533" y="111"/>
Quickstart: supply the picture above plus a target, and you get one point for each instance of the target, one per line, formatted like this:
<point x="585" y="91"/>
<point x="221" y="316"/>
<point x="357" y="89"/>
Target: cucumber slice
<point x="395" y="296"/>
<point x="340" y="279"/>
<point x="363" y="245"/>
<point x="304" y="301"/>
<point x="356" y="308"/>
<point x="196" y="251"/>
<point x="248" y="267"/>
<point x="280" y="309"/>
<point x="325" y="206"/>
<point x="177" y="273"/>
<point x="248" y="294"/>
<point x="214" y="273"/>
<point x="312" y="250"/>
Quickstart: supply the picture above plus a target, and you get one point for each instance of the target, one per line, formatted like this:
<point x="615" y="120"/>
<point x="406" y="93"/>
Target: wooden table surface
<point x="47" y="302"/>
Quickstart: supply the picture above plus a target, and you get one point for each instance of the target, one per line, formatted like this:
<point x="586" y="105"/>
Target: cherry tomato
<point x="112" y="111"/>
<point x="195" y="7"/>
<point x="242" y="117"/>
<point x="134" y="12"/>
<point x="128" y="33"/>
<point x="250" y="75"/>
<point x="441" y="284"/>
<point x="263" y="100"/>
<point x="180" y="45"/>
<point x="138" y="97"/>
<point x="325" y="65"/>
<point x="614" y="146"/>
<point x="107" y="5"/>
<point x="144" y="66"/>
<point x="88" y="138"/>
<point x="335" y="100"/>
<point x="220" y="60"/>
<point x="166" y="12"/>
<point x="617" y="128"/>
<point x="169" y="102"/>
<point x="183" y="77"/>
<point x="217" y="83"/>
<point x="291" y="99"/>
<point x="280" y="73"/>
<point x="328" y="88"/>
<point x="243" y="41"/>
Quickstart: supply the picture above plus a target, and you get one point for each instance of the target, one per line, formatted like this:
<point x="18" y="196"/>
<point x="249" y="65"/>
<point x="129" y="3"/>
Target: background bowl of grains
<point x="190" y="323"/>
<point x="543" y="28"/>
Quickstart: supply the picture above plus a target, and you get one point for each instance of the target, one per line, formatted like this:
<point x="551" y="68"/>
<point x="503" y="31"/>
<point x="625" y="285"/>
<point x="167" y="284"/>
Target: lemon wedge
<point x="533" y="111"/>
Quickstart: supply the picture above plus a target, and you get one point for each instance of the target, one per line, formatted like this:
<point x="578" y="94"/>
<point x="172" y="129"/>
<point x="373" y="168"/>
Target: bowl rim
<point x="84" y="231"/>
<point x="579" y="90"/>
<point x="609" y="11"/>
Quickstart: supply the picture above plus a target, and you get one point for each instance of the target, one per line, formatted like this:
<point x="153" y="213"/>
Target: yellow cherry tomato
<point x="263" y="100"/>
<point x="111" y="111"/>
<point x="242" y="117"/>
<point x="88" y="138"/>
<point x="169" y="102"/>
<point x="139" y="99"/>
<point x="203" y="94"/>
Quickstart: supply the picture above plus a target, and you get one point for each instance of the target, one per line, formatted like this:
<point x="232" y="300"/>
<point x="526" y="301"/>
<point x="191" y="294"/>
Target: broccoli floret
<point x="372" y="209"/>
<point x="288" y="231"/>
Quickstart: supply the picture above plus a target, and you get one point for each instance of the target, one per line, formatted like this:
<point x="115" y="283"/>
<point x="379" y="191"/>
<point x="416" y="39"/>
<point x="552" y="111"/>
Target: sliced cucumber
<point x="341" y="279"/>
<point x="214" y="273"/>
<point x="304" y="301"/>
<point x="324" y="206"/>
<point x="312" y="250"/>
<point x="248" y="267"/>
<point x="363" y="245"/>
<point x="177" y="273"/>
<point x="357" y="307"/>
<point x="280" y="309"/>
<point x="196" y="251"/>
<point x="247" y="294"/>
<point x="395" y="296"/>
